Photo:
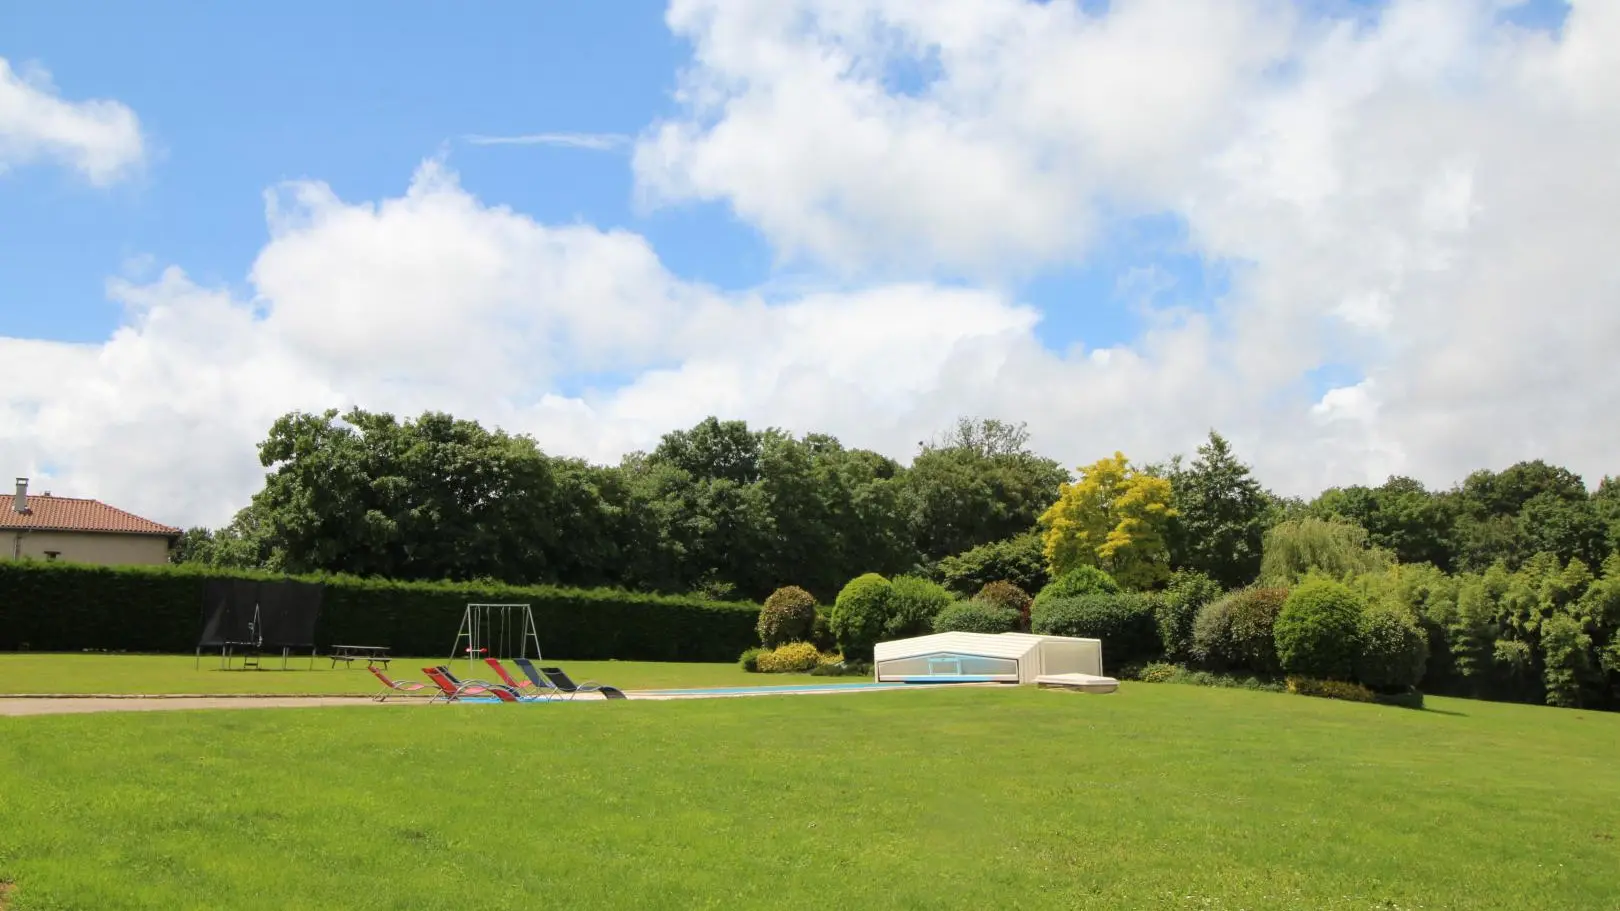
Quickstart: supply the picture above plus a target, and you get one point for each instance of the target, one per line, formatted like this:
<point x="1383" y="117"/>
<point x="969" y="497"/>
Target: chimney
<point x="20" y="501"/>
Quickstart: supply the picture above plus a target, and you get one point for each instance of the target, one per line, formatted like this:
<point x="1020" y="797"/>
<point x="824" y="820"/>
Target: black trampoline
<point x="250" y="619"/>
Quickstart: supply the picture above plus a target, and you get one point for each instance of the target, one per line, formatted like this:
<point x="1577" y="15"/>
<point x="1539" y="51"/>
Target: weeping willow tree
<point x="1331" y="547"/>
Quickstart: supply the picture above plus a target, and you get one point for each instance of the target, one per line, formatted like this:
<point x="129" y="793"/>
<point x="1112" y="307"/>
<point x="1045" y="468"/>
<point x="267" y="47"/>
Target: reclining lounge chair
<point x="451" y="688"/>
<point x="556" y="677"/>
<point x="395" y="686"/>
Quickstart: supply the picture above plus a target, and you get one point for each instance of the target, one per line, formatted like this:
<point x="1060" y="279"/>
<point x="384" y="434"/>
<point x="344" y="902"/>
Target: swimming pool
<point x="778" y="689"/>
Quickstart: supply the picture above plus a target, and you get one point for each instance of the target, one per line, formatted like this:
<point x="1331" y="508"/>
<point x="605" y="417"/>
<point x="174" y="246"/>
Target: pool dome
<point x="1055" y="661"/>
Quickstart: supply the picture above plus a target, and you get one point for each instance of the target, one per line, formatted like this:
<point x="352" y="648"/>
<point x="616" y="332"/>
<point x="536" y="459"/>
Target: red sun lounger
<point x="533" y="688"/>
<point x="451" y="689"/>
<point x="395" y="686"/>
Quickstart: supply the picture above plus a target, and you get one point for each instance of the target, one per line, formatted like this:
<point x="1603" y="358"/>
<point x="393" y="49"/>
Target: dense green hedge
<point x="65" y="607"/>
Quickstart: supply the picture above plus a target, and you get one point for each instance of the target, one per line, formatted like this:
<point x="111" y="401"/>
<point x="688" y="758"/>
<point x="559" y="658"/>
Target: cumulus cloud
<point x="1423" y="198"/>
<point x="99" y="138"/>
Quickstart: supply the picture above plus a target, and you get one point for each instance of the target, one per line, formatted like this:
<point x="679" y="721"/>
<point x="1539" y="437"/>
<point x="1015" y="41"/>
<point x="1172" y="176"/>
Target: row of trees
<point x="718" y="508"/>
<point x="728" y="510"/>
<point x="1509" y="574"/>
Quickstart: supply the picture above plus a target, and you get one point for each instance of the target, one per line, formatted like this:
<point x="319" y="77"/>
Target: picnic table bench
<point x="372" y="655"/>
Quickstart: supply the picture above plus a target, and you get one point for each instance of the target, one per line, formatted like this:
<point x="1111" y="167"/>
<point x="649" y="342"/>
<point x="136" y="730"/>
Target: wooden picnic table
<point x="372" y="654"/>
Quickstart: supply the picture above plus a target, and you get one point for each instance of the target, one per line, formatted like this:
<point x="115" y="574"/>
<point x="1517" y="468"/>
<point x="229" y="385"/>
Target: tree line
<point x="731" y="511"/>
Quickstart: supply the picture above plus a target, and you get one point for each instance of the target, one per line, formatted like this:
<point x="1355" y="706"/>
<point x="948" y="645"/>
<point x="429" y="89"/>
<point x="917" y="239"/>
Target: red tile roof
<point x="48" y="513"/>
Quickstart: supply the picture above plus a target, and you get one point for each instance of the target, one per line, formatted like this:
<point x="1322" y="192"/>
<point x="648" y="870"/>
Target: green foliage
<point x="1220" y="515"/>
<point x="1317" y="633"/>
<point x="1186" y="594"/>
<point x="1010" y="597"/>
<point x="749" y="661"/>
<point x="1115" y="518"/>
<point x="1005" y="595"/>
<point x="913" y="603"/>
<point x="859" y="614"/>
<point x="977" y="484"/>
<point x="793" y="658"/>
<point x="1568" y="659"/>
<point x="1124" y="622"/>
<point x="976" y="616"/>
<point x="1401" y="517"/>
<point x="1163" y="672"/>
<point x="1393" y="649"/>
<point x="821" y="634"/>
<point x="788" y="615"/>
<point x="1082" y="580"/>
<point x="1253" y="613"/>
<point x="1237" y="631"/>
<point x="66" y="607"/>
<point x="1331" y="689"/>
<point x="1334" y="548"/>
<point x="1212" y="645"/>
<point x="1020" y="560"/>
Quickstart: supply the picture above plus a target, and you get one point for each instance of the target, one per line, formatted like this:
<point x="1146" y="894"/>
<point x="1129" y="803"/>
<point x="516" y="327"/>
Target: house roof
<point x="50" y="513"/>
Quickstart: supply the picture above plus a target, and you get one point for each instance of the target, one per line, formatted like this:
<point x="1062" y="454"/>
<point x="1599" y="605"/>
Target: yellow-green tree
<point x="1113" y="518"/>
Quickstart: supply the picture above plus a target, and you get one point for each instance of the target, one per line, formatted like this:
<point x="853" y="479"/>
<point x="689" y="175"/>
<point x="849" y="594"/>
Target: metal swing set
<point x="503" y="631"/>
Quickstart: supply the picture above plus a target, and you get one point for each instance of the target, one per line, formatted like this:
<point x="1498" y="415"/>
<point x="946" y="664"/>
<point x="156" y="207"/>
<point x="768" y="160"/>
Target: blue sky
<point x="234" y="98"/>
<point x="1367" y="289"/>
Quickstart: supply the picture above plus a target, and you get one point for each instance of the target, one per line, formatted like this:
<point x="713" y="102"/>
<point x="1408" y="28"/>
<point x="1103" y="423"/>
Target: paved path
<point x="59" y="706"/>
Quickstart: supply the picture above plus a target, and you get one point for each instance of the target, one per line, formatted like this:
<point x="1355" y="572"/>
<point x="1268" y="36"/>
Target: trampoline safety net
<point x="268" y="615"/>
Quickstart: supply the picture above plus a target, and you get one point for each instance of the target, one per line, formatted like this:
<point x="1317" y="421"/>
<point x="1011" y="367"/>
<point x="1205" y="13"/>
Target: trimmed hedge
<point x="1124" y="622"/>
<point x="61" y="607"/>
<point x="976" y="617"/>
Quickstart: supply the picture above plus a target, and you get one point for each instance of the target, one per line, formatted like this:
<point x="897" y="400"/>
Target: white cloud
<point x="101" y="139"/>
<point x="1427" y="199"/>
<point x="596" y="142"/>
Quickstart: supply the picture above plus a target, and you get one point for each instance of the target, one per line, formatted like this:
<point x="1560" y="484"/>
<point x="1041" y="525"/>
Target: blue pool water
<point x="781" y="688"/>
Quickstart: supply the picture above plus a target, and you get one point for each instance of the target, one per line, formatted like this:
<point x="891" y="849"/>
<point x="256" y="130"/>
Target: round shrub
<point x="913" y="604"/>
<point x="858" y="614"/>
<point x="1009" y="596"/>
<point x="789" y="615"/>
<point x="1254" y="613"/>
<point x="1082" y="580"/>
<point x="976" y="617"/>
<point x="1318" y="630"/>
<point x="1186" y="594"/>
<point x="1393" y="650"/>
<point x="1005" y="594"/>
<point x="1213" y="646"/>
<point x="793" y="658"/>
<point x="1124" y="623"/>
<point x="750" y="659"/>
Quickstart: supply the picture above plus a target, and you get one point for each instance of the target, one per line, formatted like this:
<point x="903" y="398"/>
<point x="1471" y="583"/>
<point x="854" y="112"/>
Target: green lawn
<point x="157" y="674"/>
<point x="1155" y="797"/>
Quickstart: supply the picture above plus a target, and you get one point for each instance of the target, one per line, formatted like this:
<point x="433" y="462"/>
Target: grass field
<point x="1156" y="797"/>
<point x="167" y="674"/>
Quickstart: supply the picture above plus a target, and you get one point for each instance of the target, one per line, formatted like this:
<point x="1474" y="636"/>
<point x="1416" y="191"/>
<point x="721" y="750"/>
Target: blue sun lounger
<point x="555" y="678"/>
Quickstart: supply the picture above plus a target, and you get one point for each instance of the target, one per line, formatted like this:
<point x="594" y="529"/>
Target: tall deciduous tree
<point x="977" y="484"/>
<point x="1400" y="516"/>
<point x="1220" y="516"/>
<point x="1115" y="518"/>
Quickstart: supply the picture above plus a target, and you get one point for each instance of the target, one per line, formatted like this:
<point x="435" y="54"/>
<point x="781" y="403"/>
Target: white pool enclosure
<point x="1056" y="661"/>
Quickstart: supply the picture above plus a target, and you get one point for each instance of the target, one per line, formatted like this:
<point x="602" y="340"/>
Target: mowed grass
<point x="170" y="674"/>
<point x="1155" y="797"/>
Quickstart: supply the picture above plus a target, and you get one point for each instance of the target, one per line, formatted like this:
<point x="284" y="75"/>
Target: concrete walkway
<point x="73" y="705"/>
<point x="46" y="704"/>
